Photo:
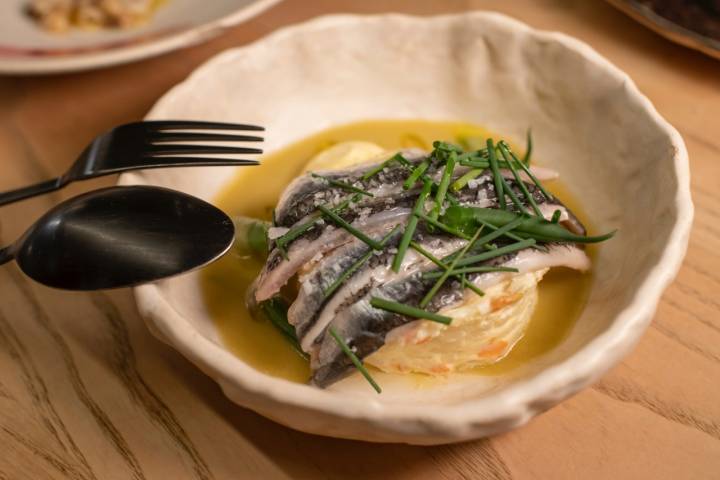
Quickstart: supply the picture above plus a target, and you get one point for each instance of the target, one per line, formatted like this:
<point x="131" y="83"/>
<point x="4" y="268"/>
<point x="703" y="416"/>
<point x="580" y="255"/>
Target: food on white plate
<point x="62" y="15"/>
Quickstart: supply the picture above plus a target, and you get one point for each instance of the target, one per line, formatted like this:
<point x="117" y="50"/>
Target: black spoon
<point x="120" y="237"/>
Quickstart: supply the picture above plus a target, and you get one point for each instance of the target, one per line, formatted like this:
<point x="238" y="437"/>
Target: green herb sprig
<point x="440" y="281"/>
<point x="343" y="185"/>
<point x="338" y="220"/>
<point x="276" y="310"/>
<point x="408" y="311"/>
<point x="411" y="226"/>
<point x="527" y="227"/>
<point x="354" y="359"/>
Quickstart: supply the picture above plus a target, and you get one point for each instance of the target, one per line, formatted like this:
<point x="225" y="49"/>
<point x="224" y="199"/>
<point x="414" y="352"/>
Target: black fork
<point x="151" y="144"/>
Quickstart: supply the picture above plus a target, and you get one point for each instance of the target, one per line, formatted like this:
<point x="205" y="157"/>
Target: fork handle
<point x="31" y="191"/>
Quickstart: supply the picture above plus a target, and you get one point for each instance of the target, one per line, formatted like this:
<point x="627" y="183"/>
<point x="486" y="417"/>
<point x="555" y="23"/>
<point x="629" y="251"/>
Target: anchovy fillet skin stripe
<point x="326" y="255"/>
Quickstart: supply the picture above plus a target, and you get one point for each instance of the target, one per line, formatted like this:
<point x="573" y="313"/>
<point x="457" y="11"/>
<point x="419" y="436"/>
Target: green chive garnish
<point x="343" y="185"/>
<point x="295" y="232"/>
<point x="556" y="216"/>
<point x="497" y="177"/>
<point x="498" y="252"/>
<point x="439" y="283"/>
<point x="444" y="183"/>
<point x="408" y="311"/>
<point x="440" y="264"/>
<point x="528" y="148"/>
<point x="276" y="311"/>
<point x="529" y="227"/>
<point x="395" y="158"/>
<point x="427" y="254"/>
<point x="446" y="147"/>
<point x="416" y="174"/>
<point x="411" y="226"/>
<point x="442" y="226"/>
<point x="464" y="271"/>
<point x="354" y="359"/>
<point x="374" y="244"/>
<point x="532" y="177"/>
<point x="355" y="266"/>
<point x="506" y="154"/>
<point x="465" y="179"/>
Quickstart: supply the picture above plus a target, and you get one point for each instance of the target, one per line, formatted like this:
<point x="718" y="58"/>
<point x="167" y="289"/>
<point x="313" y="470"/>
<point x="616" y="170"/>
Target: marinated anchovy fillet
<point x="383" y="251"/>
<point x="365" y="328"/>
<point x="389" y="206"/>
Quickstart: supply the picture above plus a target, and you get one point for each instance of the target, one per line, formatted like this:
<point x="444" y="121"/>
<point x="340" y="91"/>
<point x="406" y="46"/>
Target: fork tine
<point x="194" y="137"/>
<point x="164" y="149"/>
<point x="158" y="162"/>
<point x="177" y="124"/>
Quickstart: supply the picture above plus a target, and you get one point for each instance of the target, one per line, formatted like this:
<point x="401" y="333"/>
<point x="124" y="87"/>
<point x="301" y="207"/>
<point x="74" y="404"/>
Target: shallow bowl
<point x="590" y="122"/>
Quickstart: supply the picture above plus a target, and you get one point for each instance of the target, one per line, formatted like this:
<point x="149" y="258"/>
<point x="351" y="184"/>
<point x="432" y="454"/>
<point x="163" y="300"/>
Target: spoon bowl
<point x="120" y="237"/>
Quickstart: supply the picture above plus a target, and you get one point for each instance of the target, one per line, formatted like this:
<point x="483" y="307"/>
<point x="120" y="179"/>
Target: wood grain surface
<point x="87" y="393"/>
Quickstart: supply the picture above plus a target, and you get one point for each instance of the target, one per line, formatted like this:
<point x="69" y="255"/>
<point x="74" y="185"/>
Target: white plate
<point x="25" y="48"/>
<point x="590" y="123"/>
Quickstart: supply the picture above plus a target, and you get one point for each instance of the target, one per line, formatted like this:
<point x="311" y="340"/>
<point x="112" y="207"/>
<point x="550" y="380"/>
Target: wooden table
<point x="86" y="392"/>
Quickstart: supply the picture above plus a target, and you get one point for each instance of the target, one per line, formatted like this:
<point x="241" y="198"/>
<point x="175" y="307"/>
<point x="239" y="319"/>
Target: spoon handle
<point x="31" y="191"/>
<point x="5" y="255"/>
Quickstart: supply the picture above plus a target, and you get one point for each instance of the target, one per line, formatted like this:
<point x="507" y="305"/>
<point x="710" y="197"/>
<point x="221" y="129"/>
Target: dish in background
<point x="597" y="129"/>
<point x="59" y="16"/>
<point x="27" y="49"/>
<point x="692" y="24"/>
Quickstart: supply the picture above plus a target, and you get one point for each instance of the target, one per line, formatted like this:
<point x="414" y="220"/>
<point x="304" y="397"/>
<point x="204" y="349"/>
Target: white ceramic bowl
<point x="590" y="122"/>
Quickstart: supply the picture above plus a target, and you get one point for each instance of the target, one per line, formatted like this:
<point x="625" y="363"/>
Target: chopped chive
<point x="528" y="148"/>
<point x="343" y="185"/>
<point x="505" y="232"/>
<point x="474" y="288"/>
<point x="499" y="231"/>
<point x="513" y="197"/>
<point x="411" y="226"/>
<point x="395" y="158"/>
<point x="506" y="154"/>
<point x="408" y="311"/>
<point x="442" y="226"/>
<point x="416" y="174"/>
<point x="440" y="264"/>
<point x="444" y="183"/>
<point x="556" y="216"/>
<point x="446" y="147"/>
<point x="374" y="244"/>
<point x="355" y="266"/>
<point x="440" y="281"/>
<point x="403" y="161"/>
<point x="497" y="177"/>
<point x="482" y="164"/>
<point x="427" y="254"/>
<point x="354" y="359"/>
<point x="295" y="232"/>
<point x="276" y="311"/>
<point x="465" y="179"/>
<point x="532" y="177"/>
<point x="531" y="227"/>
<point x="481" y="257"/>
<point x="464" y="271"/>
